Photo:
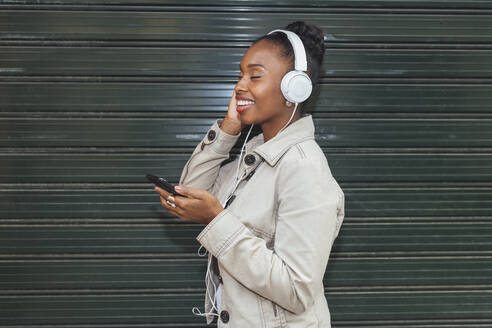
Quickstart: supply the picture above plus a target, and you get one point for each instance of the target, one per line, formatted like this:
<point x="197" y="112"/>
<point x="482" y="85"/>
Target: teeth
<point x="245" y="102"/>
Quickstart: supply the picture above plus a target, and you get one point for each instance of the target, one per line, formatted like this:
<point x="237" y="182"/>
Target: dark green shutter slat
<point x="176" y="25"/>
<point x="353" y="132"/>
<point x="115" y="201"/>
<point x="69" y="166"/>
<point x="128" y="100"/>
<point x="176" y="64"/>
<point x="428" y="238"/>
<point x="32" y="276"/>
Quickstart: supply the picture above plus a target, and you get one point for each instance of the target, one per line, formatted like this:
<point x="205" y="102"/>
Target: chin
<point x="247" y="119"/>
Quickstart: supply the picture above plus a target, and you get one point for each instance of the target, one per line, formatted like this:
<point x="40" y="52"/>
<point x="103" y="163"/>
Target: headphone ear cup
<point x="296" y="86"/>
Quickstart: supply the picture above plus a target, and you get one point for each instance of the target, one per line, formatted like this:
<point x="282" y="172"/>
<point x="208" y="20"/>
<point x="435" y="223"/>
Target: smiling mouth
<point x="243" y="105"/>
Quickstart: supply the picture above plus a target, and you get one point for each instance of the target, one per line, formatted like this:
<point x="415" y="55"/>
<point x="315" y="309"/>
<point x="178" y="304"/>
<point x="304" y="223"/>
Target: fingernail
<point x="171" y="199"/>
<point x="178" y="188"/>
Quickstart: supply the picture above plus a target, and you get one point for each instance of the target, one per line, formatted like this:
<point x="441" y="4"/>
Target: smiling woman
<point x="271" y="216"/>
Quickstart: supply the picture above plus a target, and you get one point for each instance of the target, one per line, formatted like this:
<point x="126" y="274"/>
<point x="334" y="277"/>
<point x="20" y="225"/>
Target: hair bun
<point x="312" y="37"/>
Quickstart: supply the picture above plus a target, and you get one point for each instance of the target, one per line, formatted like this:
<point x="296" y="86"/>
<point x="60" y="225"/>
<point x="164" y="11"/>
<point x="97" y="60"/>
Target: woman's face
<point x="258" y="96"/>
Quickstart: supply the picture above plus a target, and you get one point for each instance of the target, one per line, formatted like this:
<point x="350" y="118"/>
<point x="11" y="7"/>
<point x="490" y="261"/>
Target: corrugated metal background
<point x="94" y="94"/>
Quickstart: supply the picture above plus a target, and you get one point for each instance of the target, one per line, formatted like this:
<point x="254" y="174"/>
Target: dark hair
<point x="313" y="40"/>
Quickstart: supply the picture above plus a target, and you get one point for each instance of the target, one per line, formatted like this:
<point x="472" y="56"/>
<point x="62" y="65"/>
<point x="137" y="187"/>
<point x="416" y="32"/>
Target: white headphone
<point x="296" y="85"/>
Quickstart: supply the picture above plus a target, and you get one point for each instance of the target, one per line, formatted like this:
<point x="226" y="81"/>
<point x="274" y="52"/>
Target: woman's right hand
<point x="232" y="123"/>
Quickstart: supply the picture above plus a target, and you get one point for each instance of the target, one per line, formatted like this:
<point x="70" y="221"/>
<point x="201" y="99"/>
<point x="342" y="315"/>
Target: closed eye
<point x="252" y="77"/>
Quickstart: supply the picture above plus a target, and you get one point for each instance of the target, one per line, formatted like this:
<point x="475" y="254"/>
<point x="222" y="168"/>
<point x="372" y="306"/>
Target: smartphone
<point x="164" y="184"/>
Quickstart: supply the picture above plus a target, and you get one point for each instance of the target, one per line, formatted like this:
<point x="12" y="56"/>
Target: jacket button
<point x="220" y="278"/>
<point x="250" y="159"/>
<point x="211" y="135"/>
<point x="224" y="316"/>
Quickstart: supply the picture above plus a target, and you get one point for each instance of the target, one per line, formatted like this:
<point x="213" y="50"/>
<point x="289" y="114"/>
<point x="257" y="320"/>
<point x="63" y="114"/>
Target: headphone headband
<point x="300" y="62"/>
<point x="296" y="86"/>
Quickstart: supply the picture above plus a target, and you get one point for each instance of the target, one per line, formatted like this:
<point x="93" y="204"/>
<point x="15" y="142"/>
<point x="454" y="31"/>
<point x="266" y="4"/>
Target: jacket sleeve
<point x="310" y="212"/>
<point x="202" y="168"/>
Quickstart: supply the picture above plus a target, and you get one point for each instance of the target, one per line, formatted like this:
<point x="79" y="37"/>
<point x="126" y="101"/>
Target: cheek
<point x="268" y="93"/>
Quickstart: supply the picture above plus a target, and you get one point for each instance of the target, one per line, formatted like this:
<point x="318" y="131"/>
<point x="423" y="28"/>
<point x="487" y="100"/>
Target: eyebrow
<point x="253" y="65"/>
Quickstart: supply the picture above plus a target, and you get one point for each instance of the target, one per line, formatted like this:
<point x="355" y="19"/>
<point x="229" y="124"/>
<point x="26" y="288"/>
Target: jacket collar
<point x="272" y="150"/>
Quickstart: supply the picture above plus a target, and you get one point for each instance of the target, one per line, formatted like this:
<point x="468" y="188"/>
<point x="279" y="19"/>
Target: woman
<point x="272" y="215"/>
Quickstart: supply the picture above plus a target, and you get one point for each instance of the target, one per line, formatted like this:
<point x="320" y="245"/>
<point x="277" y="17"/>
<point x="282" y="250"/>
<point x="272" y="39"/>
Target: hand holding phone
<point x="198" y="205"/>
<point x="164" y="184"/>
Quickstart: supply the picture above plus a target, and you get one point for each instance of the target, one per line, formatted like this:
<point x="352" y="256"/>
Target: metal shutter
<point x="96" y="93"/>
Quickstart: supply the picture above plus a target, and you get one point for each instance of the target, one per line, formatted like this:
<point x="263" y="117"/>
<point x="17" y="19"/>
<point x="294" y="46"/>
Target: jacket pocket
<point x="278" y="316"/>
<point x="269" y="312"/>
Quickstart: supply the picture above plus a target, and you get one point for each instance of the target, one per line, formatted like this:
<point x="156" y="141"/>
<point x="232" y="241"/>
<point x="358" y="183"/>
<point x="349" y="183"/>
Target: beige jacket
<point x="273" y="240"/>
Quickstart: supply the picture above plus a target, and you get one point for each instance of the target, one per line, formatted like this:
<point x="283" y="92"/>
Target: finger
<point x="180" y="214"/>
<point x="180" y="202"/>
<point x="162" y="192"/>
<point x="173" y="210"/>
<point x="167" y="204"/>
<point x="177" y="202"/>
<point x="191" y="192"/>
<point x="170" y="204"/>
<point x="232" y="102"/>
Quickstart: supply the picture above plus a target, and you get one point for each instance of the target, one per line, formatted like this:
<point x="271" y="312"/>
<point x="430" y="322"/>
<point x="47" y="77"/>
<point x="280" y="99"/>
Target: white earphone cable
<point x="290" y="119"/>
<point x="238" y="179"/>
<point x="195" y="310"/>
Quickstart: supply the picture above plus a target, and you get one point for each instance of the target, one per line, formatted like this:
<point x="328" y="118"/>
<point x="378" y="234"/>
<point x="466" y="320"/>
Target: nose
<point x="241" y="85"/>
